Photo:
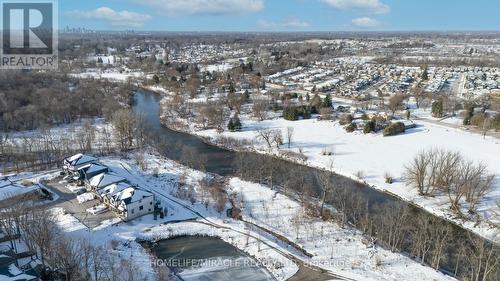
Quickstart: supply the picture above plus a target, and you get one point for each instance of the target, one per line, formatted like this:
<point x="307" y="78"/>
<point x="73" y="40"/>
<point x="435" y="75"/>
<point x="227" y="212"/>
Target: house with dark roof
<point x="93" y="170"/>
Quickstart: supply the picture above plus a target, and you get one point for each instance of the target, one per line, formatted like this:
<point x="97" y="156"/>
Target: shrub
<point x="350" y="128"/>
<point x="394" y="129"/>
<point x="369" y="127"/>
<point x="478" y="119"/>
<point x="345" y="119"/>
<point x="388" y="178"/>
<point x="291" y="113"/>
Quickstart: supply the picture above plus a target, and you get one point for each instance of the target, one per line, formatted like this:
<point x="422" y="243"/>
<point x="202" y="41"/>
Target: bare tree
<point x="395" y="102"/>
<point x="289" y="136"/>
<point x="123" y="122"/>
<point x="324" y="178"/>
<point x="259" y="108"/>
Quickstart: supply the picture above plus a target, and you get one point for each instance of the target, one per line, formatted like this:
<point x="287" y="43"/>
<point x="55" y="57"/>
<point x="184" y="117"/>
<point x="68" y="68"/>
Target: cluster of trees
<point x="64" y="257"/>
<point x="396" y="226"/>
<point x="481" y="120"/>
<point x="47" y="147"/>
<point x="213" y="190"/>
<point x="293" y="113"/>
<point x="394" y="129"/>
<point x="30" y="100"/>
<point x="272" y="137"/>
<point x="438" y="170"/>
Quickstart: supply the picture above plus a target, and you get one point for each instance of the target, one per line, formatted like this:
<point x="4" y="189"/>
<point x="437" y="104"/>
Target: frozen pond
<point x="205" y="258"/>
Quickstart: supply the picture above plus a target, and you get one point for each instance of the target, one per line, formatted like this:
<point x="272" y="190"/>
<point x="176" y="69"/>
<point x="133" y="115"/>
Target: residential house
<point x="74" y="163"/>
<point x="103" y="179"/>
<point x="133" y="202"/>
<point x="92" y="170"/>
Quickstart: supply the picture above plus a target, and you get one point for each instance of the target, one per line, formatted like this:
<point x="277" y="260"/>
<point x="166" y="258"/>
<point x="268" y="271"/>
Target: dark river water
<point x="219" y="160"/>
<point x="222" y="161"/>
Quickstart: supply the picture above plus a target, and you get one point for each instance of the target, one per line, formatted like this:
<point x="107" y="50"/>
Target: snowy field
<point x="112" y="75"/>
<point x="338" y="250"/>
<point x="374" y="155"/>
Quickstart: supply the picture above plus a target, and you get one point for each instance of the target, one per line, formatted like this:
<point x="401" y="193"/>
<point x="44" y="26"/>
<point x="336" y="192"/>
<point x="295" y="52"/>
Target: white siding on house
<point x="140" y="208"/>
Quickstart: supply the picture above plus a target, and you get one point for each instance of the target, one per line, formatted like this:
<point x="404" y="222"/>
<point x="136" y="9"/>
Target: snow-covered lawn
<point x="375" y="155"/>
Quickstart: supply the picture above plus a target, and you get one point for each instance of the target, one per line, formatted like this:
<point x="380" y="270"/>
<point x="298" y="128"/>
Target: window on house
<point x="141" y="208"/>
<point x="150" y="203"/>
<point x="132" y="211"/>
<point x="149" y="210"/>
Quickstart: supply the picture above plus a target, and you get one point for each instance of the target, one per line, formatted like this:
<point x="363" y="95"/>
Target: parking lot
<point x="68" y="201"/>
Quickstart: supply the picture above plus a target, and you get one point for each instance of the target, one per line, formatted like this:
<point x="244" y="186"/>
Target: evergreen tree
<point x="469" y="112"/>
<point x="369" y="127"/>
<point x="291" y="113"/>
<point x="230" y="125"/>
<point x="234" y="123"/>
<point x="425" y="74"/>
<point x="437" y="108"/>
<point x="327" y="101"/>
<point x="156" y="79"/>
<point x="315" y="103"/>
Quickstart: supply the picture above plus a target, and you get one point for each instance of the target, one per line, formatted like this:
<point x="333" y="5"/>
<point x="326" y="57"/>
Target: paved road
<point x="460" y="127"/>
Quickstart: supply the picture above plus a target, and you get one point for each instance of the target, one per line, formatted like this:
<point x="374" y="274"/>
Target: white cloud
<point x="264" y="24"/>
<point x="115" y="18"/>
<point x="295" y="23"/>
<point x="366" y="22"/>
<point x="207" y="7"/>
<point x="372" y="6"/>
<point x="289" y="23"/>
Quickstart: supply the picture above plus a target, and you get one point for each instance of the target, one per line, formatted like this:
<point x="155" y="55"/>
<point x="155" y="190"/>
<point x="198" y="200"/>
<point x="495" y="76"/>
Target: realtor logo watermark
<point x="29" y="35"/>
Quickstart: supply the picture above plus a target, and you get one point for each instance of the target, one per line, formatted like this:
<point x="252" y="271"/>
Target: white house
<point x="132" y="202"/>
<point x="104" y="179"/>
<point x="77" y="162"/>
<point x="109" y="191"/>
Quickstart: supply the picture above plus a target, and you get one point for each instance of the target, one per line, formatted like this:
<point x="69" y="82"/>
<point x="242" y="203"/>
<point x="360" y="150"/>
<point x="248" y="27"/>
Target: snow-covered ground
<point x="338" y="250"/>
<point x="216" y="67"/>
<point x="112" y="75"/>
<point x="375" y="155"/>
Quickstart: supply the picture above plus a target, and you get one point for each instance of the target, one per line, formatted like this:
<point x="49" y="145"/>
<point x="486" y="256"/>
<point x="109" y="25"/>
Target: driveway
<point x="67" y="200"/>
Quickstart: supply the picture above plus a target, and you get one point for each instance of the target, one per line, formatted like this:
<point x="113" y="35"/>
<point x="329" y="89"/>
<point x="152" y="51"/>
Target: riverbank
<point x="352" y="258"/>
<point x="367" y="159"/>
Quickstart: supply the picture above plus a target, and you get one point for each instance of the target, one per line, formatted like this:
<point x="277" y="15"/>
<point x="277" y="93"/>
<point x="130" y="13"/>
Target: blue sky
<point x="281" y="15"/>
